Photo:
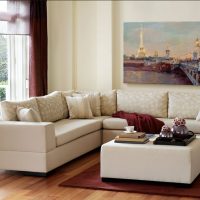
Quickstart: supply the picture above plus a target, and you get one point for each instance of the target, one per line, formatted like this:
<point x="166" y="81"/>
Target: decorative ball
<point x="179" y="122"/>
<point x="166" y="132"/>
<point x="165" y="128"/>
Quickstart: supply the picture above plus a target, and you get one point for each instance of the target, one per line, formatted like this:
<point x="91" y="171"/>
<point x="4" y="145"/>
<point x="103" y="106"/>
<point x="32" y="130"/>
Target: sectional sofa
<point x="40" y="147"/>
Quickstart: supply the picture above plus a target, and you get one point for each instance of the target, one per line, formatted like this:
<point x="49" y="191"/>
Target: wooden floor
<point x="16" y="186"/>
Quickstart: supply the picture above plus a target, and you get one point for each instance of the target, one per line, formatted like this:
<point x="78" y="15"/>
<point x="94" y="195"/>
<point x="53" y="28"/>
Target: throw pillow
<point x="79" y="107"/>
<point x="94" y="99"/>
<point x="108" y="103"/>
<point x="28" y="115"/>
<point x="8" y="108"/>
<point x="51" y="107"/>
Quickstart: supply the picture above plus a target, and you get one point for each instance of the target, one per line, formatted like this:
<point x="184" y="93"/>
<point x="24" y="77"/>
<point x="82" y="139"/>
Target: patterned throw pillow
<point x="9" y="108"/>
<point x="94" y="99"/>
<point x="51" y="107"/>
<point x="79" y="107"/>
<point x="28" y="115"/>
<point x="108" y="103"/>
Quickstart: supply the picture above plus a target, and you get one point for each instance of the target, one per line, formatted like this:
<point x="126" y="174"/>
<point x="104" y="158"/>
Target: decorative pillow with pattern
<point x="51" y="107"/>
<point x="94" y="99"/>
<point x="108" y="103"/>
<point x="28" y="115"/>
<point x="79" y="107"/>
<point x="9" y="108"/>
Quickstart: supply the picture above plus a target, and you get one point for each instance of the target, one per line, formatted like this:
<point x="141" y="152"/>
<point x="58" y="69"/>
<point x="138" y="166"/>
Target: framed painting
<point x="162" y="53"/>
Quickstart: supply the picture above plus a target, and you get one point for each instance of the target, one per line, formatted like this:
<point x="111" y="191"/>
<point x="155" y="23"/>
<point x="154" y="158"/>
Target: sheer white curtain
<point x="15" y="17"/>
<point x="18" y="59"/>
<point x="14" y="23"/>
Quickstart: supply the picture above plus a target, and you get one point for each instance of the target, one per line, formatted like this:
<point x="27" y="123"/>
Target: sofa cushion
<point x="114" y="123"/>
<point x="28" y="115"/>
<point x="67" y="130"/>
<point x="94" y="99"/>
<point x="191" y="124"/>
<point x="79" y="107"/>
<point x="184" y="104"/>
<point x="9" y="108"/>
<point x="144" y="102"/>
<point x="51" y="107"/>
<point x="108" y="102"/>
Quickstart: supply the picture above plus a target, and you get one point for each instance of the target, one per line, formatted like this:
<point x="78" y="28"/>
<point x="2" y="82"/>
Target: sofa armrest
<point x="27" y="136"/>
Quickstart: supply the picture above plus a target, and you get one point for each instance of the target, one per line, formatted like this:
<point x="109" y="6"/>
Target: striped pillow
<point x="79" y="107"/>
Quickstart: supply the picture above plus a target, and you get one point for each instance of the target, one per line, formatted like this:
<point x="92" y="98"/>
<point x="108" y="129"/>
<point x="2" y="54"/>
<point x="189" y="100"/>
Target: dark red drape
<point x="38" y="48"/>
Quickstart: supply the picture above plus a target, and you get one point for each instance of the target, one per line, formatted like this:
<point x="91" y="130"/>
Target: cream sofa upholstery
<point x="42" y="146"/>
<point x="164" y="105"/>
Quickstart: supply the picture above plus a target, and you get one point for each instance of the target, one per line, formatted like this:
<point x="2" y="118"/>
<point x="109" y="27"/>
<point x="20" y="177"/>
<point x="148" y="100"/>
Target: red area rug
<point x="91" y="179"/>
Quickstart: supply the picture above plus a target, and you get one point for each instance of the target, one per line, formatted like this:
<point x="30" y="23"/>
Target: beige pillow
<point x="51" y="107"/>
<point x="28" y="115"/>
<point x="9" y="108"/>
<point x="108" y="102"/>
<point x="94" y="99"/>
<point x="79" y="107"/>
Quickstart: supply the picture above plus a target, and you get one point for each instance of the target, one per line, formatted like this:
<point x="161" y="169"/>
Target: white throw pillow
<point x="79" y="107"/>
<point x="28" y="115"/>
<point x="94" y="100"/>
<point x="198" y="117"/>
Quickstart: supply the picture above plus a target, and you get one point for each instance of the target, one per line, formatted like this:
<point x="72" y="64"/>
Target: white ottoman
<point x="179" y="164"/>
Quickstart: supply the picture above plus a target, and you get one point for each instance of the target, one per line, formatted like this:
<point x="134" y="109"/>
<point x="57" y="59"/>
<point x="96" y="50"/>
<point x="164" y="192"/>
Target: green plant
<point x="2" y="94"/>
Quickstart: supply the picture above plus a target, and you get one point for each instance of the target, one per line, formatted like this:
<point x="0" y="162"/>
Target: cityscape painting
<point x="162" y="52"/>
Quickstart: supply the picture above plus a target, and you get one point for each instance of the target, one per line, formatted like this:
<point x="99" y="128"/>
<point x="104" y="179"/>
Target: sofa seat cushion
<point x="191" y="124"/>
<point x="114" y="123"/>
<point x="67" y="130"/>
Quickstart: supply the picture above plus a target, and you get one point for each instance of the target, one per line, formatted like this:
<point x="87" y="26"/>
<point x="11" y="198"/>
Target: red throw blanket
<point x="142" y="122"/>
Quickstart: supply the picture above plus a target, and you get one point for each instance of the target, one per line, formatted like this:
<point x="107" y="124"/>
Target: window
<point x="14" y="62"/>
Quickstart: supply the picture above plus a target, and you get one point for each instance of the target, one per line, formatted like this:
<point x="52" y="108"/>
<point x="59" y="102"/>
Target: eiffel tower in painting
<point x="141" y="51"/>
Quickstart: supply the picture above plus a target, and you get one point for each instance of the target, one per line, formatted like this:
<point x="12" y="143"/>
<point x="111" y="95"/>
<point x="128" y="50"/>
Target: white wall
<point x="86" y="40"/>
<point x="80" y="45"/>
<point x="60" y="49"/>
<point x="86" y="45"/>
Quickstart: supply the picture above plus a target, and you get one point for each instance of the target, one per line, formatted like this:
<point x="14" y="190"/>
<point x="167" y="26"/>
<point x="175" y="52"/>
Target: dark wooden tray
<point x="177" y="141"/>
